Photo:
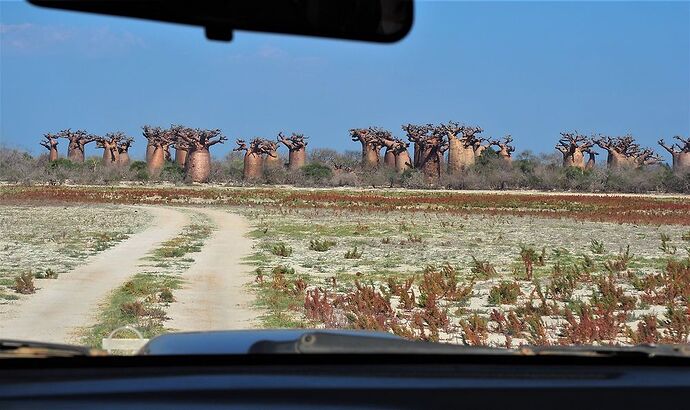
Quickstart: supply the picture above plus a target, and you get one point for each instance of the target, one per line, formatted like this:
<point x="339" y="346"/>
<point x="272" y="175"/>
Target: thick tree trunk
<point x="198" y="165"/>
<point x="416" y="150"/>
<point x="591" y="163"/>
<point x="402" y="162"/>
<point x="53" y="155"/>
<point x="617" y="160"/>
<point x="272" y="162"/>
<point x="459" y="156"/>
<point x="681" y="161"/>
<point x="155" y="164"/>
<point x="180" y="157"/>
<point x="575" y="159"/>
<point x="505" y="156"/>
<point x="150" y="148"/>
<point x="430" y="164"/>
<point x="123" y="160"/>
<point x="370" y="157"/>
<point x="74" y="154"/>
<point x="297" y="158"/>
<point x="389" y="158"/>
<point x="253" y="166"/>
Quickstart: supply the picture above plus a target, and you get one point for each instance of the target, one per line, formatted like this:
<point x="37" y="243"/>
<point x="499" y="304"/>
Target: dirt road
<point x="60" y="307"/>
<point x="214" y="296"/>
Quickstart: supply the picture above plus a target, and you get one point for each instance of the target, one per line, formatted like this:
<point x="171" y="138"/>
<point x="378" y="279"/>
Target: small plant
<point x="414" y="238"/>
<point x="665" y="246"/>
<point x="133" y="309"/>
<point x="620" y="262"/>
<point x="505" y="293"/>
<point x="353" y="254"/>
<point x="281" y="249"/>
<point x="386" y="240"/>
<point x="483" y="269"/>
<point x="528" y="256"/>
<point x="166" y="296"/>
<point x="47" y="274"/>
<point x="24" y="284"/>
<point x="597" y="247"/>
<point x="321" y="245"/>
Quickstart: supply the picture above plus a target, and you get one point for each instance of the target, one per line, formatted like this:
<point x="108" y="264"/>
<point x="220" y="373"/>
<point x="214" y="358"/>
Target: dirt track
<point x="213" y="297"/>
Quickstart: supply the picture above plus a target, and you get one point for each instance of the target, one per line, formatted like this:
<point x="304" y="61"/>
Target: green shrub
<point x="353" y="254"/>
<point x="505" y="293"/>
<point x="281" y="249"/>
<point x="317" y="172"/>
<point x="321" y="245"/>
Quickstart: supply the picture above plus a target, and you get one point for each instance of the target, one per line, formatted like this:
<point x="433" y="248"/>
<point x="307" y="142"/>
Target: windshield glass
<point x="508" y="174"/>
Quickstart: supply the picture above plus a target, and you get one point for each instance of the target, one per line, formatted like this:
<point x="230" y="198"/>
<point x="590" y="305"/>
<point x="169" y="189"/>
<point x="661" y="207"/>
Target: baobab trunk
<point x="572" y="146"/>
<point x="430" y="164"/>
<point x="680" y="152"/>
<point x="460" y="156"/>
<point x="180" y="157"/>
<point x="591" y="161"/>
<point x="272" y="161"/>
<point x="402" y="162"/>
<point x="198" y="165"/>
<point x="297" y="158"/>
<point x="253" y="166"/>
<point x="50" y="142"/>
<point x="156" y="161"/>
<point x="389" y="158"/>
<point x="124" y="158"/>
<point x="150" y="148"/>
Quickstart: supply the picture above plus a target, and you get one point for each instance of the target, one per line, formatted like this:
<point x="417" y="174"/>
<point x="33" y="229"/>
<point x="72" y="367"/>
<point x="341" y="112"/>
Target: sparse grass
<point x="353" y="253"/>
<point x="281" y="249"/>
<point x="321" y="245"/>
<point x="597" y="247"/>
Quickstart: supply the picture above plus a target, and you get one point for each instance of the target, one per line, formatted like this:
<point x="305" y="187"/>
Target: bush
<point x="505" y="293"/>
<point x="166" y="296"/>
<point x="24" y="284"/>
<point x="353" y="254"/>
<point x="321" y="245"/>
<point x="281" y="249"/>
<point x="318" y="173"/>
<point x="47" y="274"/>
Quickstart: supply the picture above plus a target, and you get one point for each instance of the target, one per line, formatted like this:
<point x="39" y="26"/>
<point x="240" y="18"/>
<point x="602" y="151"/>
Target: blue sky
<point x="528" y="69"/>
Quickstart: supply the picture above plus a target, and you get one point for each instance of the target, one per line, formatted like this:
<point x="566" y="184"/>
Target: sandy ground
<point x="214" y="295"/>
<point x="61" y="307"/>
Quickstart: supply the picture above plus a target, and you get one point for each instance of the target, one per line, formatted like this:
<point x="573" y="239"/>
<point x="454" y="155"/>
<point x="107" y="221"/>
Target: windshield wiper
<point x="333" y="343"/>
<point x="21" y="348"/>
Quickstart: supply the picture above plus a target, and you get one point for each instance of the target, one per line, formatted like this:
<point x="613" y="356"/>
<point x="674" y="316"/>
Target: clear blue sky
<point x="529" y="69"/>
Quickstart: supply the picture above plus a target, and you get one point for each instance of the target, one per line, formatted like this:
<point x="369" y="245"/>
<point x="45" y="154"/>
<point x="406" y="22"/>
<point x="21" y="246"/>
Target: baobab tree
<point x="297" y="146"/>
<point x="505" y="149"/>
<point x="402" y="157"/>
<point x="77" y="142"/>
<point x="271" y="158"/>
<point x="123" y="150"/>
<point x="371" y="146"/>
<point x="198" y="163"/>
<point x="479" y="146"/>
<point x="109" y="144"/>
<point x="253" y="158"/>
<point x="461" y="145"/>
<point x="624" y="152"/>
<point x="386" y="140"/>
<point x="179" y="144"/>
<point x="158" y="142"/>
<point x="680" y="153"/>
<point x="573" y="145"/>
<point x="591" y="159"/>
<point x="414" y="134"/>
<point x="50" y="141"/>
<point x="432" y="145"/>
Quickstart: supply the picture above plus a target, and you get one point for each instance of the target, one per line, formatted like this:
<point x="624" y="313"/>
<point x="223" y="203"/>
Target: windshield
<point x="508" y="174"/>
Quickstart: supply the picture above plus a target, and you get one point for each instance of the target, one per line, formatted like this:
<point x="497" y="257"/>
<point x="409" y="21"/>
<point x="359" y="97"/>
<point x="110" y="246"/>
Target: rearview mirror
<point x="383" y="21"/>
